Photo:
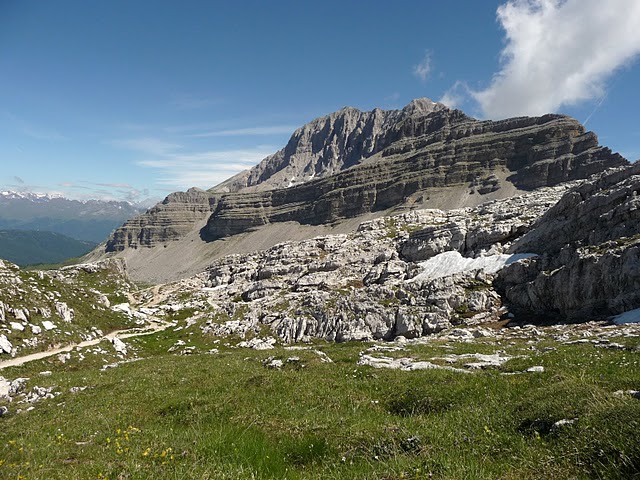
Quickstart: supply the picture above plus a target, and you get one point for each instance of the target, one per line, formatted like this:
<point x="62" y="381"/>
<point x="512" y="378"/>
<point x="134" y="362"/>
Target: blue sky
<point x="130" y="100"/>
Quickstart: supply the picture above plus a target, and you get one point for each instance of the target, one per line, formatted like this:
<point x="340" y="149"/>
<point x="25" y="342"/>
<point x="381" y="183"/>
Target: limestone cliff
<point x="428" y="156"/>
<point x="589" y="253"/>
<point x="328" y="145"/>
<point x="169" y="220"/>
<point x="352" y="163"/>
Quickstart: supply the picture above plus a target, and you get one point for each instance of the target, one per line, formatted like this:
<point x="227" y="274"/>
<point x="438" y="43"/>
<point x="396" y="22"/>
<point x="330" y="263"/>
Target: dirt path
<point x="158" y="326"/>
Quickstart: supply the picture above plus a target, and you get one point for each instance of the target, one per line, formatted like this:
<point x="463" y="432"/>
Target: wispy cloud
<point x="86" y="190"/>
<point x="423" y="69"/>
<point x="204" y="169"/>
<point x="559" y="52"/>
<point x="181" y="168"/>
<point x="43" y="134"/>
<point x="18" y="180"/>
<point x="37" y="132"/>
<point x="251" y="131"/>
<point x="455" y="96"/>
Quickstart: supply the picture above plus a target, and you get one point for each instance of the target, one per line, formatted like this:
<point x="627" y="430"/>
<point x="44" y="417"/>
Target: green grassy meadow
<point x="226" y="415"/>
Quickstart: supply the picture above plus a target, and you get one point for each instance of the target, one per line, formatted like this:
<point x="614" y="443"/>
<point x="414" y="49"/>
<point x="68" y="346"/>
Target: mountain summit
<point x="326" y="146"/>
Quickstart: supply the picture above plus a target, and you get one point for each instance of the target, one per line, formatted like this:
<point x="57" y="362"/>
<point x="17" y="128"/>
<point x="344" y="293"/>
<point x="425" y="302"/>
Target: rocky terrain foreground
<point x="567" y="253"/>
<point x="351" y="166"/>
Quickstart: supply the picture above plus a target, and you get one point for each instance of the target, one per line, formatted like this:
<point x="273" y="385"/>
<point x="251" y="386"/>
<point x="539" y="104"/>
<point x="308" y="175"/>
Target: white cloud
<point x="423" y="69"/>
<point x="559" y="52"/>
<point x="456" y="95"/>
<point x="181" y="169"/>
<point x="34" y="131"/>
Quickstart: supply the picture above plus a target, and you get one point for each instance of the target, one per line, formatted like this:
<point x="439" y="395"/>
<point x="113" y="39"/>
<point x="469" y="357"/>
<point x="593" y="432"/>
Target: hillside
<point x="32" y="247"/>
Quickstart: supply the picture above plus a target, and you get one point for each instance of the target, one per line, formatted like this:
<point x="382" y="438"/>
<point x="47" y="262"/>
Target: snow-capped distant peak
<point x="10" y="194"/>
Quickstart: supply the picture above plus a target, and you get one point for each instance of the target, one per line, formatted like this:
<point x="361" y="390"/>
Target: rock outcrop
<point x="589" y="246"/>
<point x="379" y="282"/>
<point x="326" y="146"/>
<point x="351" y="163"/>
<point x="169" y="220"/>
<point x="430" y="158"/>
<point x="53" y="307"/>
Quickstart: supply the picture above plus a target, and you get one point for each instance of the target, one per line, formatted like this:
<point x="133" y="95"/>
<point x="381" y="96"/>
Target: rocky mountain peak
<point x="423" y="106"/>
<point x="328" y="145"/>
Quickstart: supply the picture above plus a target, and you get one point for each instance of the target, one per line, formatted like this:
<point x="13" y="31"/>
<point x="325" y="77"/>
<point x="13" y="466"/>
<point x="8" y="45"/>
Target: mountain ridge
<point x="325" y="146"/>
<point x="426" y="156"/>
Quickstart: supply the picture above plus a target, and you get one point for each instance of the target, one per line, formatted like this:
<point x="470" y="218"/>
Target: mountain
<point x="326" y="146"/>
<point x="90" y="220"/>
<point x="32" y="247"/>
<point x="349" y="166"/>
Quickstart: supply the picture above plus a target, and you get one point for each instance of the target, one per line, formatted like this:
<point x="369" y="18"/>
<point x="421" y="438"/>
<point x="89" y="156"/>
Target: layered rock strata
<point x="589" y="246"/>
<point x="169" y="220"/>
<point x="529" y="152"/>
<point x="351" y="163"/>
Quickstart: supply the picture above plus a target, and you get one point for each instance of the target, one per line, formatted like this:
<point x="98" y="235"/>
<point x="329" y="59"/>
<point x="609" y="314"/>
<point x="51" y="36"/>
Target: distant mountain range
<point x="90" y="220"/>
<point x="30" y="247"/>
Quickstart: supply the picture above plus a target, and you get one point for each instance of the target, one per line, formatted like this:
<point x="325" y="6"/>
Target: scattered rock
<point x="5" y="386"/>
<point x="119" y="346"/>
<point x="48" y="325"/>
<point x="5" y="344"/>
<point x="63" y="310"/>
<point x="535" y="369"/>
<point x="259" y="343"/>
<point x="17" y="386"/>
<point x="40" y="393"/>
<point x="17" y="326"/>
<point x="484" y="361"/>
<point x="406" y="364"/>
<point x="631" y="393"/>
<point x="273" y="363"/>
<point x="64" y="357"/>
<point x="561" y="425"/>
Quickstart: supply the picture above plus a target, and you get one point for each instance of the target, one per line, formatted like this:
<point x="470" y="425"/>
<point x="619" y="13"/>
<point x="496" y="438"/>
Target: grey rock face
<point x="579" y="284"/>
<point x="5" y="344"/>
<point x="326" y="146"/>
<point x="365" y="285"/>
<point x="590" y="253"/>
<point x="605" y="208"/>
<point x="471" y="231"/>
<point x="445" y="150"/>
<point x="167" y="221"/>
